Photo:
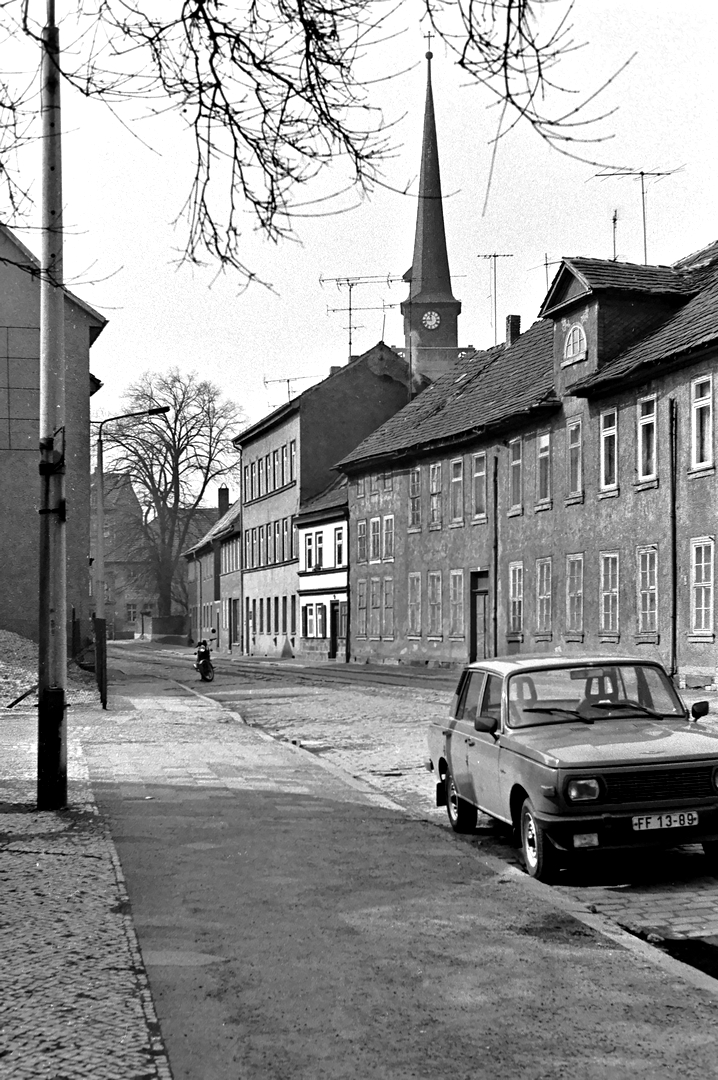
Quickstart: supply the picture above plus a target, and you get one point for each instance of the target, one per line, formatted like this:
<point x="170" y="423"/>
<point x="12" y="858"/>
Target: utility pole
<point x="351" y="283"/>
<point x="495" y="256"/>
<point x="52" y="621"/>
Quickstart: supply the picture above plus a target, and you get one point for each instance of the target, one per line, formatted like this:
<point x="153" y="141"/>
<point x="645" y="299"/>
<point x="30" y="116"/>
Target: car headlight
<point x="583" y="790"/>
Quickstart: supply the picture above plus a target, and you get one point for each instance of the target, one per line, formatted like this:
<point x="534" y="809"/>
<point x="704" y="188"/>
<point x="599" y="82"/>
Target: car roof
<point x="509" y="666"/>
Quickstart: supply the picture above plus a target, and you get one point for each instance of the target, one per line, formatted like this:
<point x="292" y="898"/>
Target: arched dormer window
<point x="575" y="346"/>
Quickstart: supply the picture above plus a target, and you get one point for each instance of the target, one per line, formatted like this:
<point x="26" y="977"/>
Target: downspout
<point x="672" y="474"/>
<point x="495" y="558"/>
<point x="347" y="642"/>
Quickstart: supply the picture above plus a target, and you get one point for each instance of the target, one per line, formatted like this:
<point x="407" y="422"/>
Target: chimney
<point x="513" y="329"/>
<point x="223" y="500"/>
<point x="334" y="369"/>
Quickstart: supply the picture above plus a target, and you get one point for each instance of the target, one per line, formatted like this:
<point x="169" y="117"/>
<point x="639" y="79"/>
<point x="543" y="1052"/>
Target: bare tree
<point x="172" y="460"/>
<point x="272" y="91"/>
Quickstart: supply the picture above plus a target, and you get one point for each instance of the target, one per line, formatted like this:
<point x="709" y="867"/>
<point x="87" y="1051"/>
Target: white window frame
<point x="609" y="435"/>
<point x="543" y="467"/>
<point x="456" y="603"/>
<point x="574" y="594"/>
<point x="574" y="451"/>
<point x="362" y="550"/>
<point x="702" y="585"/>
<point x="610" y="595"/>
<point x="575" y="346"/>
<point x="479" y="486"/>
<point x="339" y="546"/>
<point x="647" y="428"/>
<point x="319" y="550"/>
<point x="700" y="406"/>
<point x="374" y="539"/>
<point x="308" y="551"/>
<point x="415" y="497"/>
<point x="456" y="491"/>
<point x="516" y="482"/>
<point x="388" y="537"/>
<point x="374" y="630"/>
<point x="516" y="598"/>
<point x="544" y="606"/>
<point x="647" y="588"/>
<point x="433" y="600"/>
<point x="435" y="482"/>
<point x="414" y="605"/>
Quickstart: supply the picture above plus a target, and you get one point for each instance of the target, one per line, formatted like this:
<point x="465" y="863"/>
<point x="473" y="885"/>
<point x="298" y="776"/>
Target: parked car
<point x="577" y="755"/>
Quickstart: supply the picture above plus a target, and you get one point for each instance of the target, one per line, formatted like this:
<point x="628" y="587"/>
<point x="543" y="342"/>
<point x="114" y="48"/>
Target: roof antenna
<point x="642" y="173"/>
<point x="614" y="221"/>
<point x="494" y="256"/>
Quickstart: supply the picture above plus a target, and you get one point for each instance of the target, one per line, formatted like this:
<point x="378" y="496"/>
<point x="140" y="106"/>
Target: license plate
<point x="677" y="819"/>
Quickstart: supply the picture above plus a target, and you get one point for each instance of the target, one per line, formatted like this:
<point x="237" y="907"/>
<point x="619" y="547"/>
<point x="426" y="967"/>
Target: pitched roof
<point x="483" y="391"/>
<point x="599" y="275"/>
<point x="218" y="529"/>
<point x="334" y="497"/>
<point x="692" y="327"/>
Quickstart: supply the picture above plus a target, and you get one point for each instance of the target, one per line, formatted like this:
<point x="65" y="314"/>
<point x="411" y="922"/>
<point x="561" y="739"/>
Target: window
<point x="414" y="604"/>
<point x="575" y="458"/>
<point x="308" y="551"/>
<point x="284" y="614"/>
<point x="361" y="541"/>
<point x="295" y="538"/>
<point x="270" y="544"/>
<point x="374" y="607"/>
<point x="293" y="460"/>
<point x="647" y="589"/>
<point x="261" y="615"/>
<point x="339" y="546"/>
<point x="456" y="603"/>
<point x="268" y="472"/>
<point x="247" y="489"/>
<point x="702" y="585"/>
<point x="360" y="487"/>
<point x="373" y="483"/>
<point x="479" y="487"/>
<point x="276" y="482"/>
<point x="388" y="481"/>
<point x="285" y="465"/>
<point x="516" y="597"/>
<point x="262" y="546"/>
<point x="253" y="481"/>
<point x="543" y="467"/>
<point x="375" y="539"/>
<point x="389" y="536"/>
<point x="131" y="612"/>
<point x="247" y="548"/>
<point x="457" y="490"/>
<point x="343" y="617"/>
<point x="575" y="346"/>
<point x="434" y="599"/>
<point x="415" y="498"/>
<point x="285" y="539"/>
<point x="262" y="486"/>
<point x="646" y="420"/>
<point x="277" y="555"/>
<point x="361" y="608"/>
<point x="294" y="613"/>
<point x="387" y="605"/>
<point x="321" y="620"/>
<point x="309" y="611"/>
<point x="435" y="494"/>
<point x="702" y="422"/>
<point x="318" y="550"/>
<point x="543" y="596"/>
<point x="609" y="449"/>
<point x="609" y="592"/>
<point x="574" y="594"/>
<point x="515" y="477"/>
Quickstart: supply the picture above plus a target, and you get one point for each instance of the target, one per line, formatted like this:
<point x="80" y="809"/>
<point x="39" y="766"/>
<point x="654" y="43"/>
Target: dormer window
<point x="575" y="346"/>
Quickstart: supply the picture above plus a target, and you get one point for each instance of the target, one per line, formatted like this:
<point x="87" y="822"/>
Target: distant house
<point x="129" y="593"/>
<point x="214" y="578"/>
<point x="323" y="548"/>
<point x="288" y="459"/>
<point x="19" y="443"/>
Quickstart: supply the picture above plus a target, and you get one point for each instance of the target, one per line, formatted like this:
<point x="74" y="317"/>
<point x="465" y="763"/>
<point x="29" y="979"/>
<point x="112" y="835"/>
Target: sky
<point x="122" y="194"/>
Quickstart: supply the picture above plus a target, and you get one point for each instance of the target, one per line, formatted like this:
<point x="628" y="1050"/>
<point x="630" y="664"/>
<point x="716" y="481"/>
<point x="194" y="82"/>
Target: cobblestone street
<point x="380" y="736"/>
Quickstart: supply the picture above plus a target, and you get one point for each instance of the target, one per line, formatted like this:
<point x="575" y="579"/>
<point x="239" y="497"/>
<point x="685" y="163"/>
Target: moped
<point x="203" y="664"/>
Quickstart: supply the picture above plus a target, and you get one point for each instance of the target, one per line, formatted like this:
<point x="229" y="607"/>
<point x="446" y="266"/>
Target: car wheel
<point x="710" y="850"/>
<point x="539" y="855"/>
<point x="462" y="815"/>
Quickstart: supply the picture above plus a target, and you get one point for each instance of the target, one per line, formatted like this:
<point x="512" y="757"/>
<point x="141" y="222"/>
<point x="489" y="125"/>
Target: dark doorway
<point x="479" y="629"/>
<point x="333" y="628"/>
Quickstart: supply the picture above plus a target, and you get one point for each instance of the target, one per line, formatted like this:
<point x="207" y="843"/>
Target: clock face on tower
<point x="431" y="319"/>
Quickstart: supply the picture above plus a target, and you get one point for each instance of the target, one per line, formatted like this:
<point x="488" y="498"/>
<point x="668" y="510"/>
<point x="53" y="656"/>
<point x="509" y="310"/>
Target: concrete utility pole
<point x="52" y="655"/>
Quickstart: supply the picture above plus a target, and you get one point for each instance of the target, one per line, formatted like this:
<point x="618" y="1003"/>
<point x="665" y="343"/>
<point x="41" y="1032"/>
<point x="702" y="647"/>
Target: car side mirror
<point x="486" y="723"/>
<point x="699" y="708"/>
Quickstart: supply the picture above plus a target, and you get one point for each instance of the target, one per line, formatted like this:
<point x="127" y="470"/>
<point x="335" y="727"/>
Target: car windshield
<point x="587" y="694"/>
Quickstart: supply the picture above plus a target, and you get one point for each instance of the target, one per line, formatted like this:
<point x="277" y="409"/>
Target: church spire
<point x="430" y="311"/>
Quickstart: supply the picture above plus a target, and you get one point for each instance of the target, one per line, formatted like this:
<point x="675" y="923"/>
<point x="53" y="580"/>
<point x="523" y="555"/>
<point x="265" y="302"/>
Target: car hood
<point x="614" y="742"/>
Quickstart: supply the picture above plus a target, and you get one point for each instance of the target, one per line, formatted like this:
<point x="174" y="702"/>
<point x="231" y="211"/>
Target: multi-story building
<point x="19" y="443"/>
<point x="287" y="459"/>
<point x="556" y="493"/>
<point x="322" y="542"/>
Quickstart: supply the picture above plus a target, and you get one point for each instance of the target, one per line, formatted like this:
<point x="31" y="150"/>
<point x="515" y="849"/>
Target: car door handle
<point x="470" y="742"/>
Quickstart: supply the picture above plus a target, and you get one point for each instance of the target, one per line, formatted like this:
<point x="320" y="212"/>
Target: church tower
<point x="430" y="310"/>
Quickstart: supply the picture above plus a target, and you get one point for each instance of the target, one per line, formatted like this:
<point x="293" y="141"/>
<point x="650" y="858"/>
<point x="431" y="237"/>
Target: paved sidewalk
<point x="294" y="923"/>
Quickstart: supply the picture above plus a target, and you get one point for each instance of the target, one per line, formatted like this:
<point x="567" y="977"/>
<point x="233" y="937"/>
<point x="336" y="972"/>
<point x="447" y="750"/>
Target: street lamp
<point x="100" y="625"/>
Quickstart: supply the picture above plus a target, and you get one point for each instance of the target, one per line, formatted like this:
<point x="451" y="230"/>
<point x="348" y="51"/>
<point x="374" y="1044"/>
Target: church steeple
<point x="431" y="310"/>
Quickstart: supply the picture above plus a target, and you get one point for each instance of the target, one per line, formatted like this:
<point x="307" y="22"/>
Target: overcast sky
<point x="122" y="196"/>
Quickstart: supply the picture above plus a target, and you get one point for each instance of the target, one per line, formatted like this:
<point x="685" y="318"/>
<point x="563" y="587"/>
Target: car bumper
<point x="612" y="831"/>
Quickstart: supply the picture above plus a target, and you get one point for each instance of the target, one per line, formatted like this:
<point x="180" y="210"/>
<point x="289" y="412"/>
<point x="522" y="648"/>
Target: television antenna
<point x="288" y="382"/>
<point x="351" y="283"/>
<point x="494" y="256"/>
<point x="659" y="174"/>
